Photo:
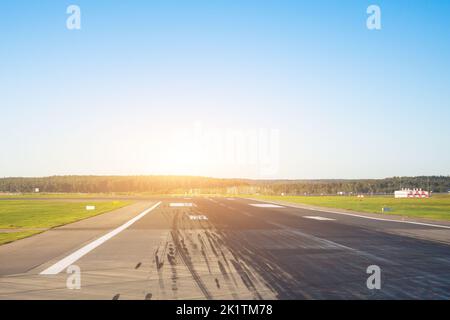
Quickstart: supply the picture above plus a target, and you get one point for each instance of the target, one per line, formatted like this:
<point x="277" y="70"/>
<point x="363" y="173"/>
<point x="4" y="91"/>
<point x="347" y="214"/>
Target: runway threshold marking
<point x="70" y="259"/>
<point x="198" y="217"/>
<point x="366" y="217"/>
<point x="318" y="218"/>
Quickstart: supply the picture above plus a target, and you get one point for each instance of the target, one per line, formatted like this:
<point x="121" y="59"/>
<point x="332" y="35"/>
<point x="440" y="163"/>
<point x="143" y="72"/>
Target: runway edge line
<point x="70" y="259"/>
<point x="354" y="215"/>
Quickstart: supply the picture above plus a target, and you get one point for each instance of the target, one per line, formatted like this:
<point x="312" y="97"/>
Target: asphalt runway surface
<point x="228" y="248"/>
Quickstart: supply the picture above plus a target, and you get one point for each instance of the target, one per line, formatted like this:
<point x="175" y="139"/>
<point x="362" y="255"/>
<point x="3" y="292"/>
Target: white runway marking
<point x="199" y="217"/>
<point x="371" y="218"/>
<point x="70" y="259"/>
<point x="180" y="204"/>
<point x="318" y="218"/>
<point x="265" y="205"/>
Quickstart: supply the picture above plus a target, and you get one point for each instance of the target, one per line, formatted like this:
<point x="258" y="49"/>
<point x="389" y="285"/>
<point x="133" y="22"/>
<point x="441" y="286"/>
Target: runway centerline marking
<point x="318" y="218"/>
<point x="70" y="259"/>
<point x="331" y="244"/>
<point x="265" y="205"/>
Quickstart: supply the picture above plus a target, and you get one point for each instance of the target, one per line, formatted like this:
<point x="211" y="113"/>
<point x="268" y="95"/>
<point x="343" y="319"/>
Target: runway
<point x="229" y="248"/>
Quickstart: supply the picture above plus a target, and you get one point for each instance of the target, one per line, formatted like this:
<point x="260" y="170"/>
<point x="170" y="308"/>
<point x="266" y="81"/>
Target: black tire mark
<point x="186" y="259"/>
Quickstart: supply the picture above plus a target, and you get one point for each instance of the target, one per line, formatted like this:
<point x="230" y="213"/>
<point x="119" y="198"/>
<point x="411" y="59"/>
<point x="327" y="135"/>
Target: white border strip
<point x="318" y="218"/>
<point x="181" y="204"/>
<point x="265" y="205"/>
<point x="70" y="259"/>
<point x="359" y="216"/>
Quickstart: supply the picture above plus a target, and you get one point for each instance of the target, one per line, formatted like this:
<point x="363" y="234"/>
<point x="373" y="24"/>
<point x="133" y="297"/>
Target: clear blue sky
<point x="347" y="102"/>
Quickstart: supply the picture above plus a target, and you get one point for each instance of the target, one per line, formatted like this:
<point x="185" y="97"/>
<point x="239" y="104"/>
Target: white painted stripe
<point x="265" y="205"/>
<point x="198" y="217"/>
<point x="317" y="218"/>
<point x="365" y="217"/>
<point x="180" y="204"/>
<point x="332" y="244"/>
<point x="70" y="259"/>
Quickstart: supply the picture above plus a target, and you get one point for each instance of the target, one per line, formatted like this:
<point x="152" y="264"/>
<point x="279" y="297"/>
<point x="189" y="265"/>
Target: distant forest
<point x="193" y="185"/>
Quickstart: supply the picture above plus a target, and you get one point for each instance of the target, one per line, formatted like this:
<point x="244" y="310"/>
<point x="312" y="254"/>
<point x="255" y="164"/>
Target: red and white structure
<point x="411" y="193"/>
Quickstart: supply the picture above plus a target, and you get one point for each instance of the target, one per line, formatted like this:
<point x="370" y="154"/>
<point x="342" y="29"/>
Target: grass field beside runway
<point x="6" y="237"/>
<point x="62" y="195"/>
<point x="113" y="195"/>
<point x="22" y="218"/>
<point x="436" y="207"/>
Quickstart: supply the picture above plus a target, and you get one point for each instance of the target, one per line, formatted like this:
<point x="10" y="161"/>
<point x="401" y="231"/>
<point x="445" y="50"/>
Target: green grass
<point x="436" y="207"/>
<point x="13" y="236"/>
<point x="43" y="214"/>
<point x="61" y="195"/>
<point x="113" y="195"/>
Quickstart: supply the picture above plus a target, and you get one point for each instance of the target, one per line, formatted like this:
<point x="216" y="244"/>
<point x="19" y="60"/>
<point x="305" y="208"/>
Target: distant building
<point x="411" y="193"/>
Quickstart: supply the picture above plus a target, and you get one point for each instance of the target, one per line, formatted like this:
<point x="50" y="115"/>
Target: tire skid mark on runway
<point x="158" y="259"/>
<point x="184" y="254"/>
<point x="328" y="244"/>
<point x="329" y="254"/>
<point x="81" y="252"/>
<point x="148" y="296"/>
<point x="198" y="244"/>
<point x="278" y="281"/>
<point x="281" y="282"/>
<point x="243" y="253"/>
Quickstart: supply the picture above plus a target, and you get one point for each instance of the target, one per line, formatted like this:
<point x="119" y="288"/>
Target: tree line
<point x="190" y="184"/>
<point x="437" y="184"/>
